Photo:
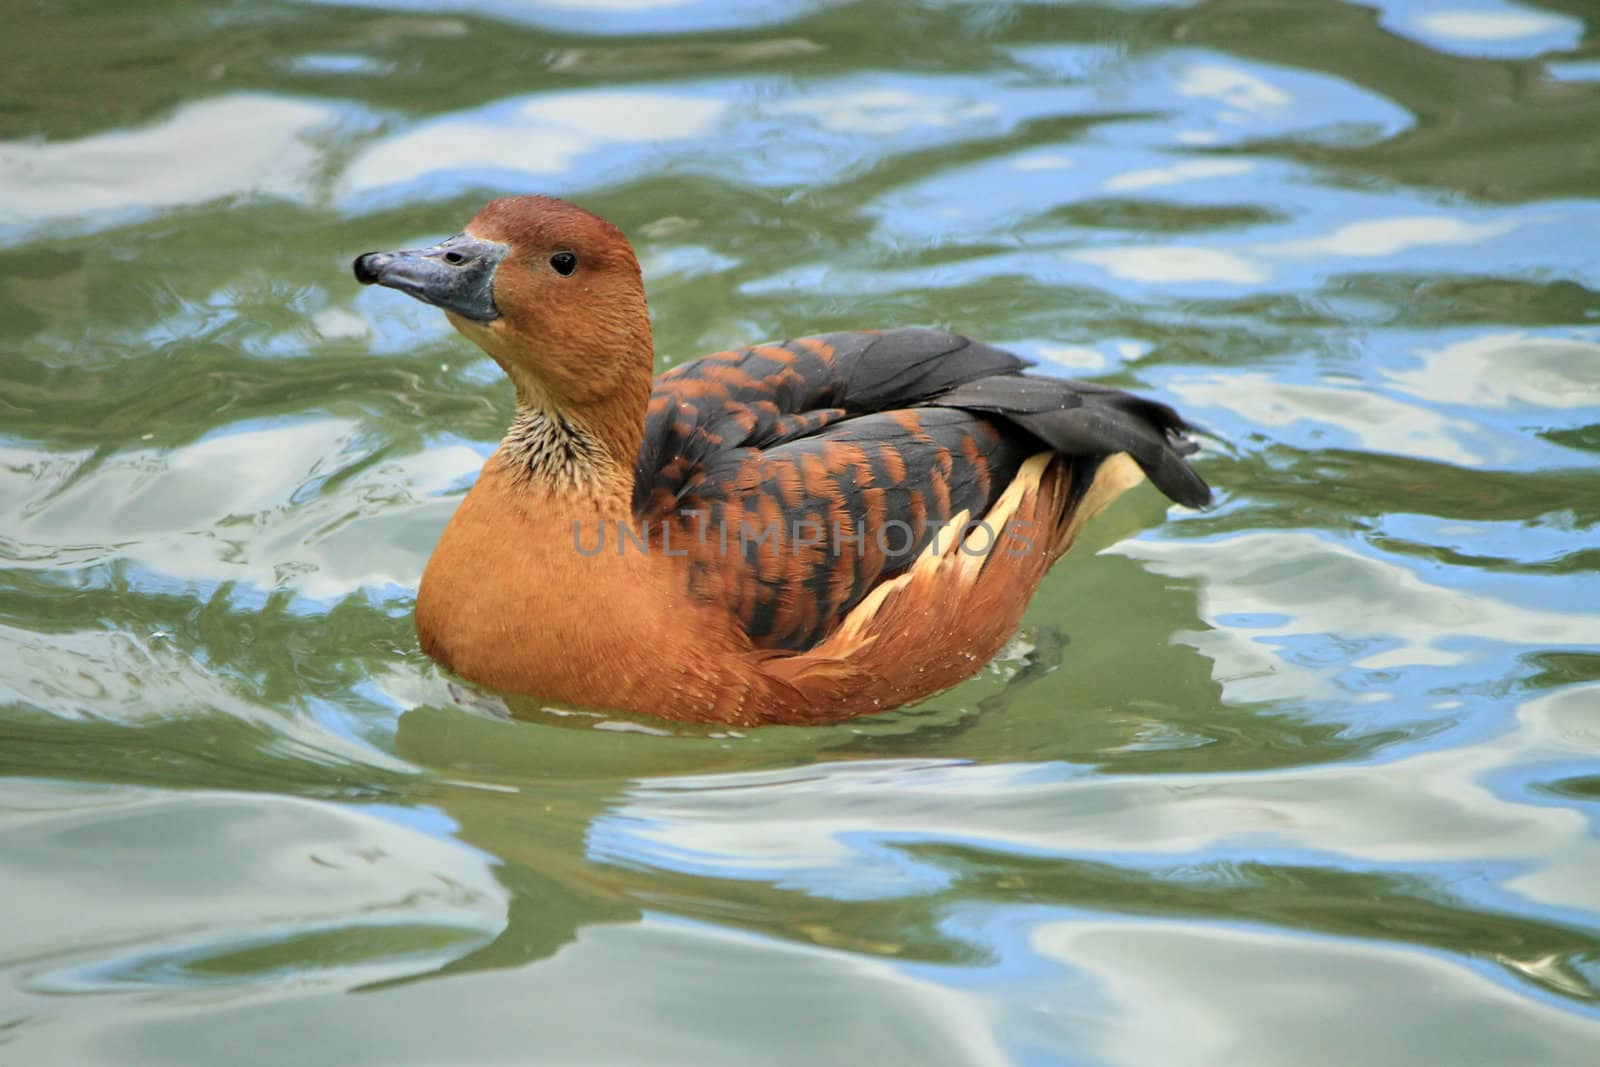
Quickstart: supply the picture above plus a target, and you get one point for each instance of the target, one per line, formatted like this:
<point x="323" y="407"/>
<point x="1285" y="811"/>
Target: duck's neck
<point x="582" y="393"/>
<point x="548" y="452"/>
<point x="576" y="452"/>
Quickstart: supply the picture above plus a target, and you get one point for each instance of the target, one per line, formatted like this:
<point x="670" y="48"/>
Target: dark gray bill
<point x="456" y="274"/>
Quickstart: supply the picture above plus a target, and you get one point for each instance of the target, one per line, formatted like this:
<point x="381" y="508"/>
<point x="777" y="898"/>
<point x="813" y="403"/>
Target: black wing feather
<point x="1081" y="418"/>
<point x="904" y="367"/>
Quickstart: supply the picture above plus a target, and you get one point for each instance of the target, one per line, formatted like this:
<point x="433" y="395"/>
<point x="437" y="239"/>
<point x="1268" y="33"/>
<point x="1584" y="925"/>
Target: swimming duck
<point x="794" y="532"/>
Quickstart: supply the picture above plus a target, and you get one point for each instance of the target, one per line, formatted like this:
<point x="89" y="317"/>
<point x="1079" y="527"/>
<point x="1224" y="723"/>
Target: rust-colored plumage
<point x="792" y="532"/>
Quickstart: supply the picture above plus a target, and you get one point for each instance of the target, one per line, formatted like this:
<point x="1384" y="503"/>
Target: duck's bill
<point x="456" y="274"/>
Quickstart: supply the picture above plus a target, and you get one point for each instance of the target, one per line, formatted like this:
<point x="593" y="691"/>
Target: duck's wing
<point x="761" y="396"/>
<point x="791" y="537"/>
<point x="801" y="475"/>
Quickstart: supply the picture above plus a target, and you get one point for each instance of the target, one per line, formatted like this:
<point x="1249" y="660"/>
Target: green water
<point x="1311" y="778"/>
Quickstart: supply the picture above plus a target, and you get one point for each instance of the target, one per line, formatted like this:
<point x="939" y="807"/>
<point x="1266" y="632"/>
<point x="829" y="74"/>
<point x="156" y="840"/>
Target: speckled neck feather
<point x="550" y="450"/>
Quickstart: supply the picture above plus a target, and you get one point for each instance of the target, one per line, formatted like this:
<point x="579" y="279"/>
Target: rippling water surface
<point x="1313" y="777"/>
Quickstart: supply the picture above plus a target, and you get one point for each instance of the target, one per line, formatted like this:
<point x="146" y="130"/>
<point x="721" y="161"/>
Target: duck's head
<point x="549" y="290"/>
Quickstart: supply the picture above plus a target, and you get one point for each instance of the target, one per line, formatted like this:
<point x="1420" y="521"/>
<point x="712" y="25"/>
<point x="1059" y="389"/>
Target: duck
<point x="796" y="532"/>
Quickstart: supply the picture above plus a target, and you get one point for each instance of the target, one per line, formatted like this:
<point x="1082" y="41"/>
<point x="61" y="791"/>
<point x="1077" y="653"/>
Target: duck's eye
<point x="563" y="263"/>
<point x="454" y="258"/>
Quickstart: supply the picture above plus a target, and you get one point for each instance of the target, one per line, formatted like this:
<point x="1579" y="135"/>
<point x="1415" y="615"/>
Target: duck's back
<point x="799" y="477"/>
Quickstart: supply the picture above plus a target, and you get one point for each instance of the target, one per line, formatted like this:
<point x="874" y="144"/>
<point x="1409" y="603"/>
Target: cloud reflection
<point x="1387" y="237"/>
<point x="235" y="507"/>
<point x="542" y="136"/>
<point x="1174" y="263"/>
<point x="1259" y="1000"/>
<point x="1504" y="370"/>
<point x="243" y="144"/>
<point x="1489" y="28"/>
<point x="1373" y="421"/>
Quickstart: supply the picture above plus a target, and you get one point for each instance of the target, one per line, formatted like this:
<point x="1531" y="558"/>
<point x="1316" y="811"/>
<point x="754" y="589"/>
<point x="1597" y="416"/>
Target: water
<point x="1308" y="778"/>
